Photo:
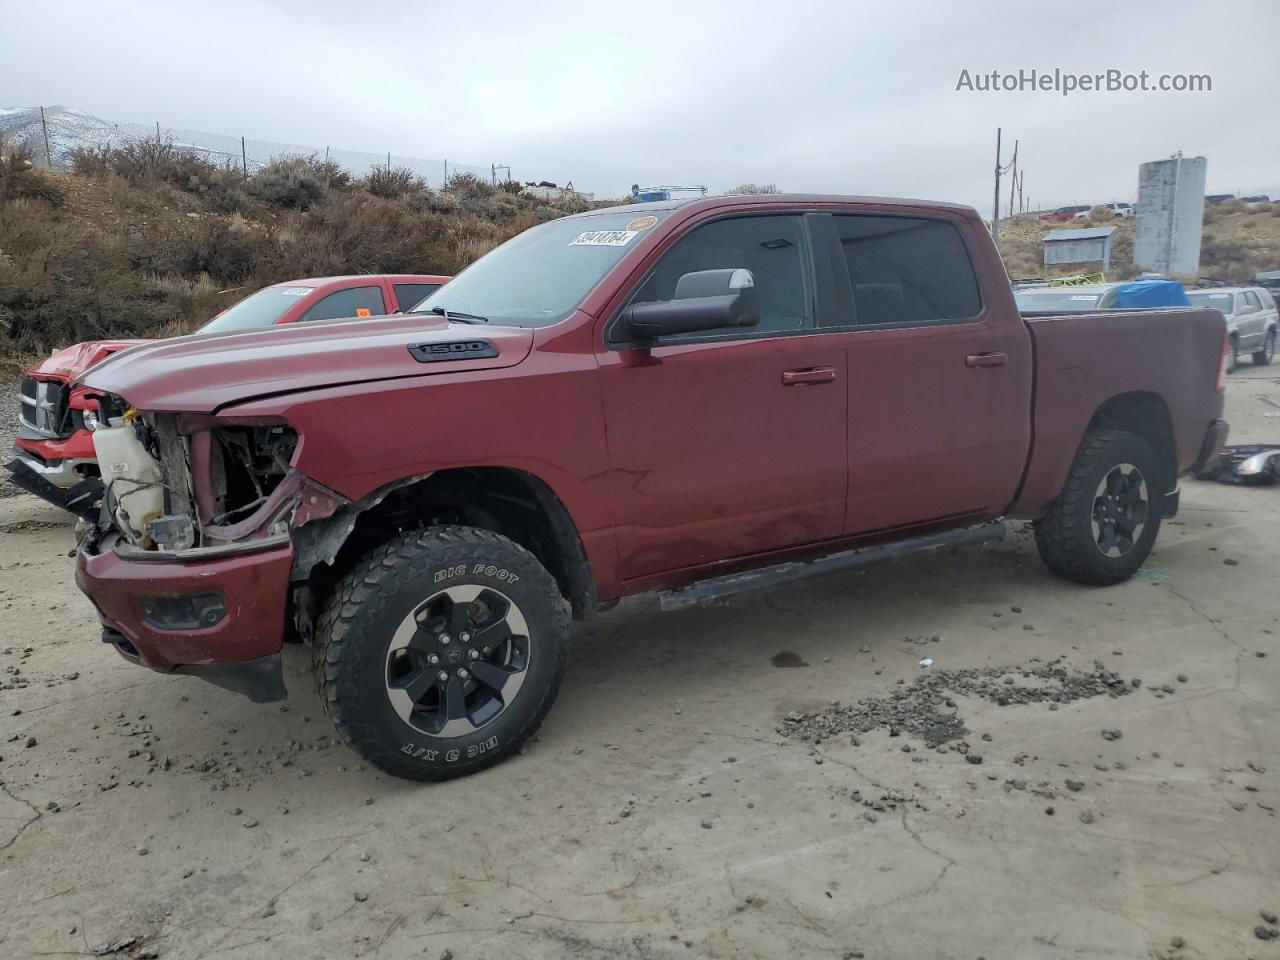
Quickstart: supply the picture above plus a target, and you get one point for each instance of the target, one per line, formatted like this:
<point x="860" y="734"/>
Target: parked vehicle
<point x="1063" y="214"/>
<point x="1120" y="209"/>
<point x="1086" y="297"/>
<point x="1270" y="279"/>
<point x="694" y="398"/>
<point x="1251" y="320"/>
<point x="53" y="452"/>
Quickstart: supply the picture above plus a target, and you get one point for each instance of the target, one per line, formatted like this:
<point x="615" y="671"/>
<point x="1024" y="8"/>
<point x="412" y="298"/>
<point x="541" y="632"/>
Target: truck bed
<point x="1083" y="360"/>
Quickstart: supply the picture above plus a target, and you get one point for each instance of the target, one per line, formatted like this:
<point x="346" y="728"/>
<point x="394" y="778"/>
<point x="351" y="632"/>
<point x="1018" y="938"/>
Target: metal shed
<point x="1078" y="246"/>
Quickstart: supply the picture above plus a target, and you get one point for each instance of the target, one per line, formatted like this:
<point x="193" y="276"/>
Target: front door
<point x="730" y="442"/>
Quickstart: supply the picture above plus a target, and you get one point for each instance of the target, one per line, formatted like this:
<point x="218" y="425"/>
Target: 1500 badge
<point x="456" y="350"/>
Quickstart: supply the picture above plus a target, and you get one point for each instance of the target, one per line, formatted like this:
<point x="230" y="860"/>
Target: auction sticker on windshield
<point x="603" y="238"/>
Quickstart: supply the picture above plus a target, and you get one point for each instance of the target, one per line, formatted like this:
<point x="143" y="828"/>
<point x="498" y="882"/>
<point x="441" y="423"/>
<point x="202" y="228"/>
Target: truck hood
<point x="70" y="362"/>
<point x="203" y="373"/>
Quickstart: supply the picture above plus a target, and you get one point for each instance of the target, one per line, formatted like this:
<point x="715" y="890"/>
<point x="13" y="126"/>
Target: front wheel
<point x="1263" y="357"/>
<point x="1100" y="529"/>
<point x="440" y="653"/>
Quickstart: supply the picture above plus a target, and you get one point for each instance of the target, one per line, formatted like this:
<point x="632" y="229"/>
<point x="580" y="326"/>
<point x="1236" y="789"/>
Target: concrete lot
<point x="660" y="813"/>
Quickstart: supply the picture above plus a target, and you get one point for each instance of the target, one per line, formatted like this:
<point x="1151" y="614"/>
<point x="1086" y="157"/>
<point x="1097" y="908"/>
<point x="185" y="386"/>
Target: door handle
<point x="986" y="360"/>
<point x="814" y="375"/>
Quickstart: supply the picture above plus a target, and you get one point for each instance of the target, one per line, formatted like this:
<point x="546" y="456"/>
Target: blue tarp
<point x="1151" y="293"/>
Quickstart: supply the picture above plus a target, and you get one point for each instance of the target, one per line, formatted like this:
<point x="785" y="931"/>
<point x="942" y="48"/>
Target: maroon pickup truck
<point x="694" y="398"/>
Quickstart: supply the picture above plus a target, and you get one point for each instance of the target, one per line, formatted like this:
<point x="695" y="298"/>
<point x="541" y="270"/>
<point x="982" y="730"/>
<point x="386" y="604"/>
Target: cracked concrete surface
<point x="263" y="838"/>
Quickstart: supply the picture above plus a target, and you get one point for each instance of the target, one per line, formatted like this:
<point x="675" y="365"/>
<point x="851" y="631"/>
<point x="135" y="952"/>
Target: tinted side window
<point x="354" y="302"/>
<point x="410" y="295"/>
<point x="1251" y="302"/>
<point x="773" y="248"/>
<point x="907" y="270"/>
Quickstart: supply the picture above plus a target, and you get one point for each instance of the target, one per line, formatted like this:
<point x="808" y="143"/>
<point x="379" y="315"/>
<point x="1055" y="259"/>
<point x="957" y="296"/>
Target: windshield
<point x="542" y="275"/>
<point x="1215" y="301"/>
<point x="261" y="309"/>
<point x="1057" y="301"/>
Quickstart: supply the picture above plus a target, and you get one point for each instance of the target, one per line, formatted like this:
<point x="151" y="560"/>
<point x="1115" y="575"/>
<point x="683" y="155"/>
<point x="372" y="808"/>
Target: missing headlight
<point x="248" y="463"/>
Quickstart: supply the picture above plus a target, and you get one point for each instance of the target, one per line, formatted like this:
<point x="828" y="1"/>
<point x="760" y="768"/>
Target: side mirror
<point x="703" y="300"/>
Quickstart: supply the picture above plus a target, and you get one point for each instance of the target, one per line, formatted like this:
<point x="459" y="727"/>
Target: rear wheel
<point x="441" y="652"/>
<point x="1100" y="530"/>
<point x="1263" y="357"/>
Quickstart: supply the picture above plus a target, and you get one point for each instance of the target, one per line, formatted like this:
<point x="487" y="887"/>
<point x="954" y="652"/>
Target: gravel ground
<point x="8" y="426"/>
<point x="687" y="798"/>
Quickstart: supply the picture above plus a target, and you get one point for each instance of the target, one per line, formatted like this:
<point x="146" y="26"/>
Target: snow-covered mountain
<point x="68" y="130"/>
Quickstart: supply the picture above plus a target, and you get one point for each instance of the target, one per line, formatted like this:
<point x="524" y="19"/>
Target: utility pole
<point x="1013" y="181"/>
<point x="1021" y="176"/>
<point x="995" y="203"/>
<point x="244" y="159"/>
<point x="446" y="171"/>
<point x="48" y="158"/>
<point x="157" y="131"/>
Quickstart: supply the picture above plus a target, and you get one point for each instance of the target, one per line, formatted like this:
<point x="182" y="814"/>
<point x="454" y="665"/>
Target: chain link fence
<point x="55" y="133"/>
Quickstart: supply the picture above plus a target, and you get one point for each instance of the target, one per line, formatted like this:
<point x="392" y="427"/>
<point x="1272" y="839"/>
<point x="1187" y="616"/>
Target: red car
<point x="694" y="398"/>
<point x="1063" y="214"/>
<point x="53" y="443"/>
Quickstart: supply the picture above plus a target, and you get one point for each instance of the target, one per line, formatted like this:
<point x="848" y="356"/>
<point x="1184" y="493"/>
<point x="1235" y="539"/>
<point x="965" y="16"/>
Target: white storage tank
<point x="1170" y="215"/>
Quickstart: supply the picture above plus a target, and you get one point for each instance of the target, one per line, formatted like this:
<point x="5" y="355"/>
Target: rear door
<point x="1253" y="320"/>
<point x="726" y="443"/>
<point x="939" y="378"/>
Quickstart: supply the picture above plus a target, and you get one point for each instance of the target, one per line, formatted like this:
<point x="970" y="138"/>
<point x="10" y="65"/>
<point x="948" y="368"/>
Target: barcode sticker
<point x="603" y="238"/>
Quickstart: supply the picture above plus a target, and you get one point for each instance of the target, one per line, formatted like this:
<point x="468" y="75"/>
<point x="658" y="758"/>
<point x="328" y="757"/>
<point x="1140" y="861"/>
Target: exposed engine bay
<point x="175" y="482"/>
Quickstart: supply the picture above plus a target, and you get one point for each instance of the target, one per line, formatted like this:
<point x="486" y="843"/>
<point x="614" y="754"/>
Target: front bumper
<point x="82" y="498"/>
<point x="63" y="463"/>
<point x="247" y="593"/>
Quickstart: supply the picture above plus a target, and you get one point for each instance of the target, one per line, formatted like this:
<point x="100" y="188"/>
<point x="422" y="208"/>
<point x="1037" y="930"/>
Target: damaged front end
<point x="192" y="486"/>
<point x="191" y="559"/>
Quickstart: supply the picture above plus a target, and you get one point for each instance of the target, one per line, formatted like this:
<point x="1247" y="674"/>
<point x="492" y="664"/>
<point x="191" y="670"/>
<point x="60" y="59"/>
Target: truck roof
<point x="394" y="277"/>
<point x="754" y="199"/>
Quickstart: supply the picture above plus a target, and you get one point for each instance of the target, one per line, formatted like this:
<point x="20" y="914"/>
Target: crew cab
<point x="1251" y="318"/>
<point x="691" y="398"/>
<point x="53" y="451"/>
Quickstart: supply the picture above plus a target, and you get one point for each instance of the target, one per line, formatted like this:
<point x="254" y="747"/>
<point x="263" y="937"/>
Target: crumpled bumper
<point x="221" y="618"/>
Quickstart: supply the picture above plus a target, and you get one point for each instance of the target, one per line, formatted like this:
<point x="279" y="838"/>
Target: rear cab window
<point x="409" y="295"/>
<point x="352" y="302"/>
<point x="906" y="271"/>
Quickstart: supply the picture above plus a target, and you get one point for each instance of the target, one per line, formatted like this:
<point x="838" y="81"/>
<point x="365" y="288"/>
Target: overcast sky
<point x="849" y="97"/>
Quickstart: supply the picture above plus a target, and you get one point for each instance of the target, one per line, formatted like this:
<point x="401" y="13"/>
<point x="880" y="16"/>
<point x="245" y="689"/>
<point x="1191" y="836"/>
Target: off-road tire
<point x="355" y="632"/>
<point x="1065" y="536"/>
<point x="1233" y="353"/>
<point x="1263" y="357"/>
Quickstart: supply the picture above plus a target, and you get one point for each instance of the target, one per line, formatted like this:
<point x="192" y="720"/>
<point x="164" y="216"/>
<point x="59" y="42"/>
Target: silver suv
<point x="1251" y="320"/>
